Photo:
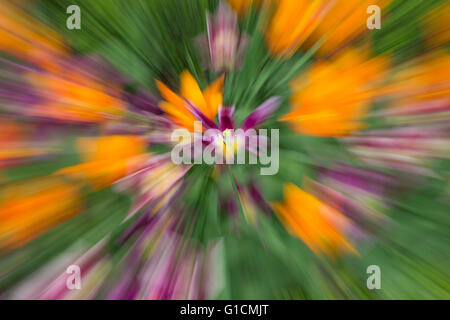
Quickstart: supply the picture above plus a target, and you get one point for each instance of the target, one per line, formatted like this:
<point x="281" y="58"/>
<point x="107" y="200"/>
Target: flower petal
<point x="192" y="92"/>
<point x="213" y="96"/>
<point x="262" y="113"/>
<point x="226" y="117"/>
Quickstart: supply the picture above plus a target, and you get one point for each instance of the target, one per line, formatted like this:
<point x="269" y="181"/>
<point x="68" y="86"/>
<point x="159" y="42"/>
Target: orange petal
<point x="31" y="208"/>
<point x="182" y="117"/>
<point x="213" y="97"/>
<point x="170" y="96"/>
<point x="191" y="91"/>
<point x="107" y="159"/>
<point x="309" y="219"/>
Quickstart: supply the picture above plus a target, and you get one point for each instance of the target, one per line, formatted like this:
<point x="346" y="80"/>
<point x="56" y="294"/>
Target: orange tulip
<point x="107" y="159"/>
<point x="30" y="208"/>
<point x="313" y="222"/>
<point x="305" y="22"/>
<point x="14" y="144"/>
<point x="75" y="98"/>
<point x="25" y="37"/>
<point x="333" y="96"/>
<point x="424" y="80"/>
<point x="207" y="101"/>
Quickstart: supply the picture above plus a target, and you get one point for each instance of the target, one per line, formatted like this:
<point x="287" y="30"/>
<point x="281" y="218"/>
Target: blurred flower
<point x="223" y="43"/>
<point x="77" y="98"/>
<point x="165" y="265"/>
<point x="229" y="141"/>
<point x="156" y="185"/>
<point x="323" y="106"/>
<point x="416" y="130"/>
<point x="107" y="159"/>
<point x="420" y="86"/>
<point x="232" y="140"/>
<point x="50" y="282"/>
<point x="31" y="207"/>
<point x="192" y="103"/>
<point x="362" y="195"/>
<point x="19" y="144"/>
<point x="73" y="91"/>
<point x="23" y="36"/>
<point x="405" y="148"/>
<point x="339" y="22"/>
<point x="286" y="32"/>
<point x="315" y="223"/>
